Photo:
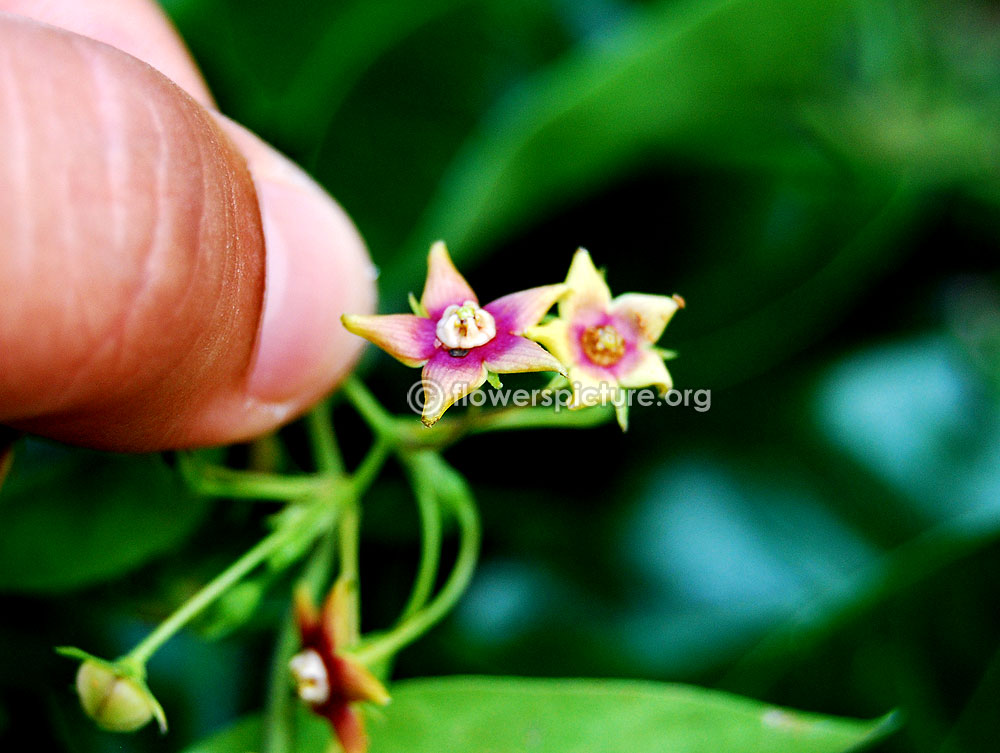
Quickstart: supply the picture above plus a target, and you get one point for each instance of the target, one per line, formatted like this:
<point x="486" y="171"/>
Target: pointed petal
<point x="357" y="683"/>
<point x="447" y="379"/>
<point x="649" y="371"/>
<point x="587" y="286"/>
<point x="444" y="285"/>
<point x="554" y="335"/>
<point x="621" y="414"/>
<point x="405" y="337"/>
<point x="516" y="312"/>
<point x="509" y="354"/>
<point x="349" y="728"/>
<point x="336" y="616"/>
<point x="589" y="389"/>
<point x="649" y="314"/>
<point x="306" y="614"/>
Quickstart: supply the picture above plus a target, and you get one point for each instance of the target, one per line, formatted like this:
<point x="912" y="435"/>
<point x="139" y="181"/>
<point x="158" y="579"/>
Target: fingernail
<point x="314" y="273"/>
<point x="316" y="269"/>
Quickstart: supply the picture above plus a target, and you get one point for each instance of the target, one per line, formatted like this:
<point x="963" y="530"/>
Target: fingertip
<point x="138" y="27"/>
<point x="317" y="269"/>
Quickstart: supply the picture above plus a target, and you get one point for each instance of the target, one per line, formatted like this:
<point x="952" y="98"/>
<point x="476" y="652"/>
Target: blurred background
<point x="818" y="178"/>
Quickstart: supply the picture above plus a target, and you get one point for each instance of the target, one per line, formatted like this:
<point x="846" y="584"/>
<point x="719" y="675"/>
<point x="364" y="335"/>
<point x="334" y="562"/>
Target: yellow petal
<point x="306" y="613"/>
<point x="589" y="390"/>
<point x="587" y="286"/>
<point x="649" y="371"/>
<point x="337" y="621"/>
<point x="649" y="313"/>
<point x="360" y="684"/>
<point x="554" y="336"/>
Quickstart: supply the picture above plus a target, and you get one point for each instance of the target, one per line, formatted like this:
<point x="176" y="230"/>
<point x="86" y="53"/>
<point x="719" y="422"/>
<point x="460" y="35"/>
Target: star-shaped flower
<point x="330" y="681"/>
<point x="607" y="344"/>
<point x="457" y="341"/>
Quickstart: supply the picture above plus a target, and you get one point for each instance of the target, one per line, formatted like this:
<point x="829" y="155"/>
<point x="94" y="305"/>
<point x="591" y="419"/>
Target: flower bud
<point x="115" y="702"/>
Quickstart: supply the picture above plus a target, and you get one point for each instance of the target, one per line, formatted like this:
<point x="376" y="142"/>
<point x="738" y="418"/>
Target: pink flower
<point x="607" y="343"/>
<point x="457" y="341"/>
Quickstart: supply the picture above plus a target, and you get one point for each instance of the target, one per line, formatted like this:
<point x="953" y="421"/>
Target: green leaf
<point x="501" y="715"/>
<point x="516" y="715"/>
<point x="247" y="734"/>
<point x="722" y="80"/>
<point x="71" y="518"/>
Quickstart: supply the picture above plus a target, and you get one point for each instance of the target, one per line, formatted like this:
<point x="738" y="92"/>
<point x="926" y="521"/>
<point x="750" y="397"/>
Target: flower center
<point x="603" y="345"/>
<point x="466" y="326"/>
<point x="310" y="677"/>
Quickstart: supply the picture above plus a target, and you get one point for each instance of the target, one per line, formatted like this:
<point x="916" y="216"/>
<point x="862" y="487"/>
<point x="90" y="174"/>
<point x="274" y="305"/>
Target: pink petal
<point x="406" y="337"/>
<point x="444" y="285"/>
<point x="648" y="314"/>
<point x="447" y="378"/>
<point x="516" y="312"/>
<point x="509" y="354"/>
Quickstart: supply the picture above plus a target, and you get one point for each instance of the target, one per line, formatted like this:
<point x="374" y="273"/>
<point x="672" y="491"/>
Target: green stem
<point x="278" y="730"/>
<point x="377" y="417"/>
<point x="350" y="535"/>
<point x="430" y="548"/>
<point x="450" y="430"/>
<point x="366" y="472"/>
<point x="507" y="419"/>
<point x="217" y="481"/>
<point x="412" y="628"/>
<point x="280" y="710"/>
<point x="193" y="607"/>
<point x="324" y="443"/>
<point x="350" y="532"/>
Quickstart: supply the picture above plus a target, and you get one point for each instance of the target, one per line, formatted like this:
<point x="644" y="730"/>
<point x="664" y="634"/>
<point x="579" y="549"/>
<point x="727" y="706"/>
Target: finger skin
<point x="131" y="249"/>
<point x="139" y="310"/>
<point x="138" y="27"/>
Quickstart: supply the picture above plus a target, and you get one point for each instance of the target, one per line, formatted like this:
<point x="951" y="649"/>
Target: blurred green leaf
<point x="462" y="713"/>
<point x="72" y="517"/>
<point x="401" y="126"/>
<point x="313" y="736"/>
<point x="849" y="252"/>
<point x="723" y="80"/>
<point x="235" y="608"/>
<point x="359" y="35"/>
<point x="514" y="715"/>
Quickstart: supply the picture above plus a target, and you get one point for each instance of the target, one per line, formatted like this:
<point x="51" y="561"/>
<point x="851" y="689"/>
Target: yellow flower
<point x="607" y="343"/>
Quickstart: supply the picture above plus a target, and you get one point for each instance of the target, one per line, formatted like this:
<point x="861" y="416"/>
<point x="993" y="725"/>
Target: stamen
<point x="464" y="327"/>
<point x="311" y="678"/>
<point x="603" y="345"/>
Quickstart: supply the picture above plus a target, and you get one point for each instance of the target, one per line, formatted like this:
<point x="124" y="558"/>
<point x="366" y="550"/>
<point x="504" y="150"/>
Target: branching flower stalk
<point x="460" y="345"/>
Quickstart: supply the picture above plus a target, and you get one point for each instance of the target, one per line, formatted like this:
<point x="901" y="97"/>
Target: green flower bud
<point x="116" y="702"/>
